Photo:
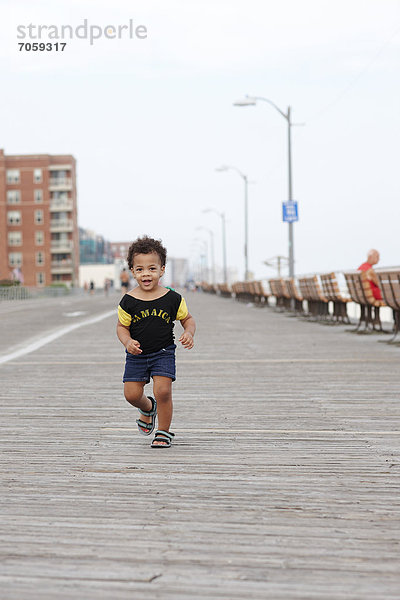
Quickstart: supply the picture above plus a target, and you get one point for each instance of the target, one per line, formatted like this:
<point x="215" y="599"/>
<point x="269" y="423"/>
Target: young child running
<point x="146" y="318"/>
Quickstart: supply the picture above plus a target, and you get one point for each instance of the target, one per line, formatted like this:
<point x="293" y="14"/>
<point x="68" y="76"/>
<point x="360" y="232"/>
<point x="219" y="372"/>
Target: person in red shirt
<point x="372" y="259"/>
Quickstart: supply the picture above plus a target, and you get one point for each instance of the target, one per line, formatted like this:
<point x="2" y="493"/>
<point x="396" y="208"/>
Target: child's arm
<point x="124" y="336"/>
<point x="189" y="326"/>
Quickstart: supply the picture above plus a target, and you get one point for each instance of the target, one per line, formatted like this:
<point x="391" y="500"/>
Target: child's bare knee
<point x="163" y="392"/>
<point x="129" y="397"/>
<point x="133" y="393"/>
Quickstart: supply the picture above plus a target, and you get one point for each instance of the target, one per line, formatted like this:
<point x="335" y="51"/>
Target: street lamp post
<point x="246" y="220"/>
<point x="204" y="255"/>
<point x="198" y="264"/>
<point x="222" y="215"/>
<point x="252" y="101"/>
<point x="212" y="250"/>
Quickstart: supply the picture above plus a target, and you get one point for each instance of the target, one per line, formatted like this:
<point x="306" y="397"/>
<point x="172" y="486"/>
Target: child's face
<point x="147" y="270"/>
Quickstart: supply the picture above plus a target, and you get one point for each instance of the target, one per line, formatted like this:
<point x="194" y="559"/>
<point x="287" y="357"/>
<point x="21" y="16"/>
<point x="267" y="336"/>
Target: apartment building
<point x="38" y="219"/>
<point x="120" y="249"/>
<point x="94" y="248"/>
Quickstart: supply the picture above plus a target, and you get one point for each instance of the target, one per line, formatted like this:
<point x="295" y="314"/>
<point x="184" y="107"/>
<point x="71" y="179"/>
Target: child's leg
<point x="162" y="388"/>
<point x="133" y="391"/>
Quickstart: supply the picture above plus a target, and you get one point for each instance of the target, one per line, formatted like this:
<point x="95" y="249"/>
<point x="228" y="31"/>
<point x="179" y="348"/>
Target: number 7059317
<point x="42" y="46"/>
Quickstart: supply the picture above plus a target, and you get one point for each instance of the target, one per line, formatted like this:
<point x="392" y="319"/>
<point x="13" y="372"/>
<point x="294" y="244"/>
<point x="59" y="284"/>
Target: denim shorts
<point x="140" y="367"/>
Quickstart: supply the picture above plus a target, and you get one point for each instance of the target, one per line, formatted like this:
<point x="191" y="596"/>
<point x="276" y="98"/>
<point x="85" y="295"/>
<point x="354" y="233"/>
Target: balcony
<point x="60" y="168"/>
<point x="61" y="204"/>
<point x="61" y="225"/>
<point x="61" y="245"/>
<point x="59" y="267"/>
<point x="60" y="183"/>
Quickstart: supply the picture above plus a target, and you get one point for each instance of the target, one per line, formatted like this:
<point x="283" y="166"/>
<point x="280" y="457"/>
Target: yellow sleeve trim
<point x="182" y="311"/>
<point x="124" y="317"/>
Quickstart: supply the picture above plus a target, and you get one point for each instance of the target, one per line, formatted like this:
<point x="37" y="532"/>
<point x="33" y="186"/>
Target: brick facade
<point x="38" y="219"/>
<point x="120" y="249"/>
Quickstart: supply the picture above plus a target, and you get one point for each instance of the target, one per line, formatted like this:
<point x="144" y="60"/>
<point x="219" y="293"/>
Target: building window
<point x="59" y="195"/>
<point x="13" y="197"/>
<point x="13" y="176"/>
<point x="15" y="238"/>
<point x="40" y="278"/>
<point x="14" y="217"/>
<point x="39" y="258"/>
<point x="15" y="259"/>
<point x="59" y="174"/>
<point x="37" y="175"/>
<point x="39" y="238"/>
<point x="38" y="196"/>
<point x="38" y="217"/>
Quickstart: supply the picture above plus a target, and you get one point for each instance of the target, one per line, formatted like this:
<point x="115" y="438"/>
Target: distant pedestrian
<point x="146" y="318"/>
<point x="106" y="286"/>
<point x="368" y="267"/>
<point x="124" y="278"/>
<point x="91" y="287"/>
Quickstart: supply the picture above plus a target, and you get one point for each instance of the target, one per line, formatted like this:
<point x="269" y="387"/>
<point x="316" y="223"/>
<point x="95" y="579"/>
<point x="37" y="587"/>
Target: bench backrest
<point x="238" y="287"/>
<point x="224" y="288"/>
<point x="354" y="287"/>
<point x="310" y="289"/>
<point x="292" y="290"/>
<point x="260" y="289"/>
<point x="330" y="287"/>
<point x="253" y="288"/>
<point x="276" y="286"/>
<point x="390" y="286"/>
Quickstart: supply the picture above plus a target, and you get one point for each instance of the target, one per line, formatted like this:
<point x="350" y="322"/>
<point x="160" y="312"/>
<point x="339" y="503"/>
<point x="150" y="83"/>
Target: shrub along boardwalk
<point x="283" y="481"/>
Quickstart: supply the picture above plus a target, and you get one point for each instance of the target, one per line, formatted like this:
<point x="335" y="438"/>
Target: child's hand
<point x="133" y="347"/>
<point x="186" y="340"/>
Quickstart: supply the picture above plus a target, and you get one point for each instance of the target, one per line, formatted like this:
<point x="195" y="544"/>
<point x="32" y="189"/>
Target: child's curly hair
<point x="146" y="245"/>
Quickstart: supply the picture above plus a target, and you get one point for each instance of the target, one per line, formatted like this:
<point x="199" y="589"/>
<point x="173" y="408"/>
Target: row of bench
<point x="320" y="297"/>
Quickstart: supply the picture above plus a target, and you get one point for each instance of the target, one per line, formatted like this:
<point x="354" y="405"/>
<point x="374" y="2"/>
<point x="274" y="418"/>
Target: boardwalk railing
<point x="14" y="292"/>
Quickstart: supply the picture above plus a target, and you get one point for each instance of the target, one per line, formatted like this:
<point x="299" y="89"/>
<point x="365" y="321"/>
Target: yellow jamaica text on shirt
<point x="128" y="318"/>
<point x="146" y="313"/>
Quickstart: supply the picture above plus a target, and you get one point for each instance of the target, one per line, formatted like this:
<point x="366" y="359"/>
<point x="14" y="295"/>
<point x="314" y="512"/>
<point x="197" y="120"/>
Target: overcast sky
<point x="149" y="121"/>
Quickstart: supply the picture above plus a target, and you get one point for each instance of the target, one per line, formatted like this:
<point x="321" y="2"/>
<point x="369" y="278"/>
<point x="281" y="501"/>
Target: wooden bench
<point x="260" y="295"/>
<point x="372" y="303"/>
<point x="279" y="291"/>
<point x="250" y="291"/>
<point x="224" y="290"/>
<point x="361" y="293"/>
<point x="355" y="291"/>
<point x="331" y="291"/>
<point x="240" y="291"/>
<point x="209" y="288"/>
<point x="318" y="304"/>
<point x="235" y="290"/>
<point x="390" y="285"/>
<point x="294" y="294"/>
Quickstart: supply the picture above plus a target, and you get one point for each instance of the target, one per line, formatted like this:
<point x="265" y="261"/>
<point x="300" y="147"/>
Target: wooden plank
<point x="283" y="481"/>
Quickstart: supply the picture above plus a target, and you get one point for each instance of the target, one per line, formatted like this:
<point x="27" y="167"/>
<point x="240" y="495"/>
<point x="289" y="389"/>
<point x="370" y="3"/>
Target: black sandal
<point x="165" y="437"/>
<point x="148" y="428"/>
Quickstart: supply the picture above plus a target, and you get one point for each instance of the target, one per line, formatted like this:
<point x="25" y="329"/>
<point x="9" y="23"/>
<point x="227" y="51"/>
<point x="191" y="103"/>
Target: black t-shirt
<point x="151" y="322"/>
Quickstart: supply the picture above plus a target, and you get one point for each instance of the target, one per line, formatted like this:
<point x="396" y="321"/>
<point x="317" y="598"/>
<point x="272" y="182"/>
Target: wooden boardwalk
<point x="283" y="482"/>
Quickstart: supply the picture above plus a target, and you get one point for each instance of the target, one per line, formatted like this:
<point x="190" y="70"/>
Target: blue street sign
<point x="290" y="211"/>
